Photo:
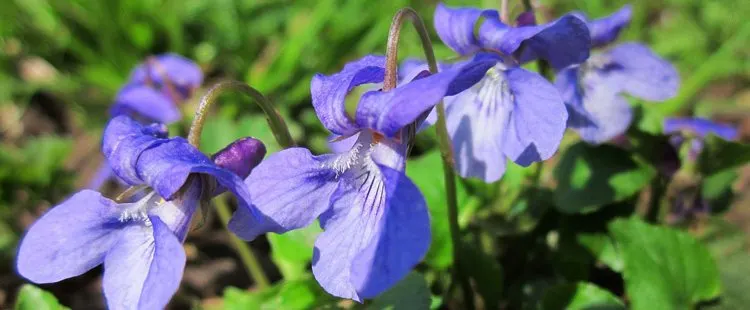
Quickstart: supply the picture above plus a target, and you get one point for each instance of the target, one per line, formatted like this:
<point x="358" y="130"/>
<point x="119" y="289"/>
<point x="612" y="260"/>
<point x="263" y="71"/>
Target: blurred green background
<point x="61" y="63"/>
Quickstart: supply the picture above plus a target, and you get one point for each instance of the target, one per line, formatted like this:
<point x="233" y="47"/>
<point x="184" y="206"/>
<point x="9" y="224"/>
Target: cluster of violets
<point x="375" y="221"/>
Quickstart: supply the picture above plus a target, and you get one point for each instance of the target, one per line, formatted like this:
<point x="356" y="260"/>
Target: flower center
<point x="138" y="211"/>
<point x="358" y="157"/>
<point x="493" y="90"/>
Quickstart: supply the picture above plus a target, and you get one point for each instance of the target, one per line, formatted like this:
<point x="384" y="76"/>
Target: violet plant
<point x="488" y="107"/>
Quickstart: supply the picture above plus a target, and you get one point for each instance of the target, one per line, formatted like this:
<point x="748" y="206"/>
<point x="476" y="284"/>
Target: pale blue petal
<point x="364" y="248"/>
<point x="640" y="72"/>
<point x="70" y="239"/>
<point x="291" y="188"/>
<point x="329" y="91"/>
<point x="144" y="269"/>
<point x="537" y="123"/>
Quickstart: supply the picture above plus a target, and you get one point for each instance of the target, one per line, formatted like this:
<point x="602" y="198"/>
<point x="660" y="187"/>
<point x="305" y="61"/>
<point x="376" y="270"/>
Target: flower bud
<point x="241" y="156"/>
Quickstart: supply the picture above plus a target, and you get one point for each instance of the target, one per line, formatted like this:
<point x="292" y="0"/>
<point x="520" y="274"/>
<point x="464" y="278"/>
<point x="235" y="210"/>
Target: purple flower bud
<point x="526" y="19"/>
<point x="241" y="156"/>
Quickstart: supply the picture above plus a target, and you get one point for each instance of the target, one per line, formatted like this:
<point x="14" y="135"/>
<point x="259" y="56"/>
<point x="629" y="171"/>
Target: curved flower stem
<point x="246" y="254"/>
<point x="504" y="11"/>
<point x="275" y="121"/>
<point x="280" y="132"/>
<point x="446" y="150"/>
<point x="527" y="6"/>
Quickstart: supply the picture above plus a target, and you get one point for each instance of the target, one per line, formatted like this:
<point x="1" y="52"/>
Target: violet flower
<point x="156" y="87"/>
<point x="593" y="90"/>
<point x="687" y="199"/>
<point x="697" y="129"/>
<point x="511" y="113"/>
<point x="139" y="243"/>
<point x="153" y="94"/>
<point x="375" y="222"/>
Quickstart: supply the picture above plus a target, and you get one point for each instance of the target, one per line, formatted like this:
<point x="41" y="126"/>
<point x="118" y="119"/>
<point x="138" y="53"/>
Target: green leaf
<point x="33" y="298"/>
<point x="664" y="268"/>
<point x="603" y="248"/>
<point x="591" y="176"/>
<point x="239" y="299"/>
<point x="730" y="247"/>
<point x="299" y="294"/>
<point x="486" y="272"/>
<point x="293" y="250"/>
<point x="410" y="293"/>
<point x="423" y="172"/>
<point x="575" y="296"/>
<point x="719" y="154"/>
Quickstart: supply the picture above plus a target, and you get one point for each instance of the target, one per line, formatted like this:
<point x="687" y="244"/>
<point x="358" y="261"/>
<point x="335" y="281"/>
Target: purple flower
<point x="687" y="199"/>
<point x="169" y="70"/>
<point x="563" y="42"/>
<point x="140" y="242"/>
<point x="156" y="87"/>
<point x="153" y="94"/>
<point x="593" y="90"/>
<point x="374" y="219"/>
<point x="696" y="128"/>
<point x="511" y="113"/>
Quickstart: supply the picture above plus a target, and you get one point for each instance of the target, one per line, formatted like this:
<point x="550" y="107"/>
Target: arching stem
<point x="275" y="121"/>
<point x="446" y="150"/>
<point x="504" y="11"/>
<point x="280" y="132"/>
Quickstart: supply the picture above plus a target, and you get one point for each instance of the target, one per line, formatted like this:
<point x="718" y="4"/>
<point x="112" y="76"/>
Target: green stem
<point x="280" y="132"/>
<point x="446" y="151"/>
<point x="504" y="11"/>
<point x="246" y="254"/>
<point x="275" y="121"/>
<point x="527" y="5"/>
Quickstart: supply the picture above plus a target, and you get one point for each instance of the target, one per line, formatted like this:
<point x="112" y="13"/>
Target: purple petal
<point x="455" y="27"/>
<point x="70" y="239"/>
<point x="401" y="242"/>
<point x="142" y="101"/>
<point x="389" y="111"/>
<point x="410" y="68"/>
<point x="388" y="152"/>
<point x="167" y="167"/>
<point x="341" y="144"/>
<point x="123" y="142"/>
<point x="537" y="123"/>
<point x="166" y="164"/>
<point x="144" y="269"/>
<point x="182" y="73"/>
<point x="596" y="111"/>
<point x="178" y="213"/>
<point x="477" y="120"/>
<point x="292" y="188"/>
<point x="700" y="127"/>
<point x="356" y="256"/>
<point x="329" y="91"/>
<point x="641" y="73"/>
<point x="101" y="176"/>
<point x="605" y="30"/>
<point x="526" y="19"/>
<point x="563" y="42"/>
